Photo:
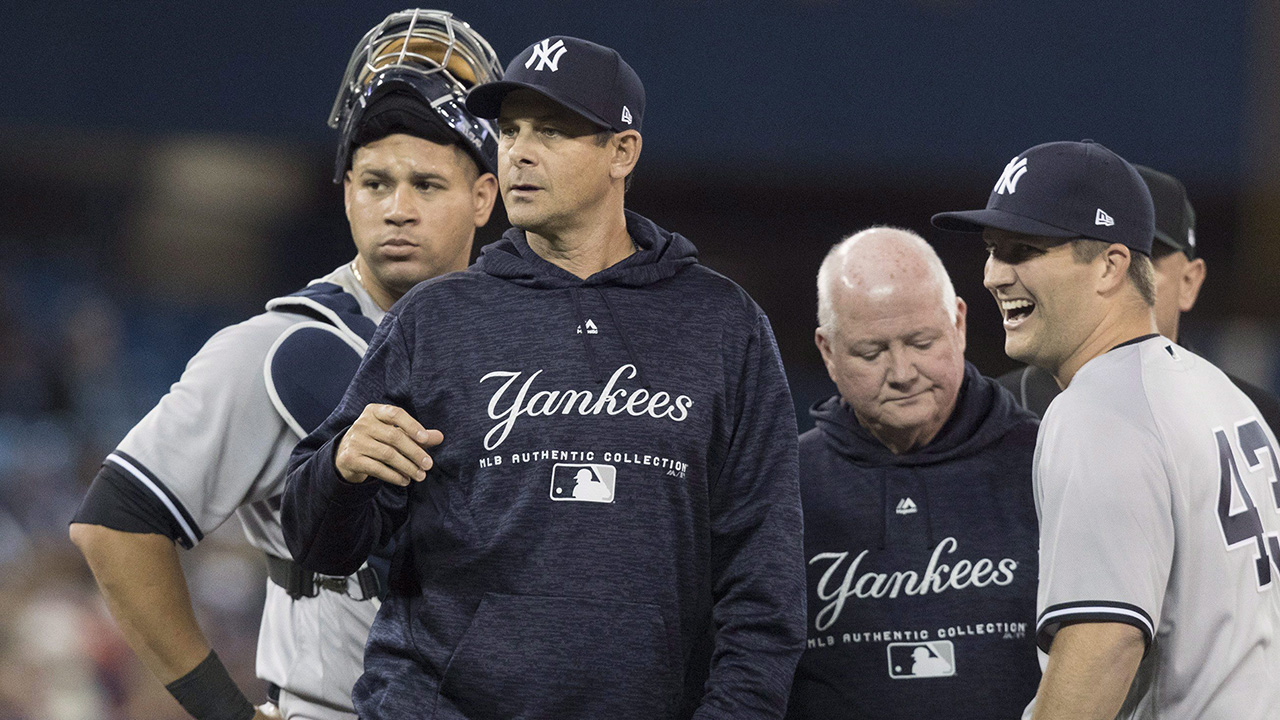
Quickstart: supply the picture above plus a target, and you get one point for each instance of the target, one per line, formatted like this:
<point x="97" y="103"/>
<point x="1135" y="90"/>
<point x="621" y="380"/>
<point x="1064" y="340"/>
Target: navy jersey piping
<point x="134" y="469"/>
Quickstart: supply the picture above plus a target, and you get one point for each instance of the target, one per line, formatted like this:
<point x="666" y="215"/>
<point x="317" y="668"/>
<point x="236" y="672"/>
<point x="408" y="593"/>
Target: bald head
<point x="879" y="262"/>
<point x="891" y="333"/>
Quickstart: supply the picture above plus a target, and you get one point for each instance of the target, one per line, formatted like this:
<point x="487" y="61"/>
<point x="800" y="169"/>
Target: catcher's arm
<point x="142" y="580"/>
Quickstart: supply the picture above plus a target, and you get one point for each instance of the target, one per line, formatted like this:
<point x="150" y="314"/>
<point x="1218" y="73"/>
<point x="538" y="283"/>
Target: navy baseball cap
<point x="1175" y="218"/>
<point x="589" y="79"/>
<point x="1066" y="190"/>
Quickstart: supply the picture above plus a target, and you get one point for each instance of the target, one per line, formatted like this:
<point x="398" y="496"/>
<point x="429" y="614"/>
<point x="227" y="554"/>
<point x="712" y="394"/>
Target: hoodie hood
<point x="983" y="414"/>
<point x="988" y="440"/>
<point x="661" y="255"/>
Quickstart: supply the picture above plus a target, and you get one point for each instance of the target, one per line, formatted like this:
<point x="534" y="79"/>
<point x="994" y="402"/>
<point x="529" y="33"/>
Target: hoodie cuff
<point x="338" y="491"/>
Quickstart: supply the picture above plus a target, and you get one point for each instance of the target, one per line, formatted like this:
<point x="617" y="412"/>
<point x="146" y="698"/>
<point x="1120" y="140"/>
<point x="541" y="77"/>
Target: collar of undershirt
<point x="1135" y="341"/>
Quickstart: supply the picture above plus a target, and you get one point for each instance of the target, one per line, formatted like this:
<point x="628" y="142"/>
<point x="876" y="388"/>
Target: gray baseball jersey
<point x="218" y="443"/>
<point x="1156" y="484"/>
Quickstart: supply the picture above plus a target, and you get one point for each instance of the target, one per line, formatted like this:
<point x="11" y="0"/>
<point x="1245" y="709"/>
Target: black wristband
<point x="209" y="693"/>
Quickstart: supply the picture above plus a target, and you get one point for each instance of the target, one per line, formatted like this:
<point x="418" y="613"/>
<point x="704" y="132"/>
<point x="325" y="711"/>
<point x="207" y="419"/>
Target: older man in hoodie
<point x="920" y="528"/>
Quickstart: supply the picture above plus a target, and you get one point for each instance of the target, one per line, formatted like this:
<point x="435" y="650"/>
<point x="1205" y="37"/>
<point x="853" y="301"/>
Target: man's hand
<point x="386" y="443"/>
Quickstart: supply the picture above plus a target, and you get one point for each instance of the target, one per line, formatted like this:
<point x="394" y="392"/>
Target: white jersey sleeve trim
<point x="350" y="339"/>
<point x="1091" y="611"/>
<point x="123" y="462"/>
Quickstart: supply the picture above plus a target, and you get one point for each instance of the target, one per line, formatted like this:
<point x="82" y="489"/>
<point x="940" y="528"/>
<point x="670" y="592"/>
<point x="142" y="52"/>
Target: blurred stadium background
<point x="165" y="171"/>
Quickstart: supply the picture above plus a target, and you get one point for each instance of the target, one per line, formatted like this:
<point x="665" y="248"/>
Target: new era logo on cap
<point x="1103" y="219"/>
<point x="626" y="114"/>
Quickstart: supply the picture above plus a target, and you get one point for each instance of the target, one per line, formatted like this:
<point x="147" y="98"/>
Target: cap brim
<point x="975" y="221"/>
<point x="1169" y="242"/>
<point x="486" y="100"/>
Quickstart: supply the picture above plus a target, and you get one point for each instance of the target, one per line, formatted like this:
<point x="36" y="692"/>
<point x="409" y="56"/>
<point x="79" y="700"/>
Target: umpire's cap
<point x="1175" y="218"/>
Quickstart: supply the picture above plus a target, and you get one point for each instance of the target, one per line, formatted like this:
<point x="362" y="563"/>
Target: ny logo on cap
<point x="1013" y="172"/>
<point x="542" y="52"/>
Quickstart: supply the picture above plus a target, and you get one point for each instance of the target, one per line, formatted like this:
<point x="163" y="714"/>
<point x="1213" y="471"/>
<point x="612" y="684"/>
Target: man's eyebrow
<point x="378" y="173"/>
<point x="428" y="175"/>
<point x="540" y="115"/>
<point x="548" y="115"/>
<point x="386" y="176"/>
<point x="867" y="344"/>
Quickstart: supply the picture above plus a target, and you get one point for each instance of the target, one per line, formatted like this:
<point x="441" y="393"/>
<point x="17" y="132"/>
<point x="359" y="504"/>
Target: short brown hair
<point x="1141" y="273"/>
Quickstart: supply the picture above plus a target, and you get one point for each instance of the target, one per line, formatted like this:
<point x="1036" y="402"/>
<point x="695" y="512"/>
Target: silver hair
<point x="835" y="260"/>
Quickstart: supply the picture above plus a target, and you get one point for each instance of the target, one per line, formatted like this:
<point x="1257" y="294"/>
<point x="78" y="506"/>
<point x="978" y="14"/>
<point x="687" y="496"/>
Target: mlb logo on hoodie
<point x="583" y="482"/>
<point x="922" y="660"/>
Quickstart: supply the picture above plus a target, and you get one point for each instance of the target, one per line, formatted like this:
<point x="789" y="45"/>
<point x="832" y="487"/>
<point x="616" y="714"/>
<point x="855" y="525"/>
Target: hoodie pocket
<point x="555" y="657"/>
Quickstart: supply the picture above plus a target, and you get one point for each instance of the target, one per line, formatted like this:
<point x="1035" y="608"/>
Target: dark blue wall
<point x="892" y="87"/>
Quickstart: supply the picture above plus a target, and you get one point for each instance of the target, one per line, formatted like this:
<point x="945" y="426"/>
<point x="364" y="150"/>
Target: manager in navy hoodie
<point x="920" y="525"/>
<point x="608" y="524"/>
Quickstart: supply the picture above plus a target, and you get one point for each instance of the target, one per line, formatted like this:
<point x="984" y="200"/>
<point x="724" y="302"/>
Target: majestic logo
<point x="626" y="114"/>
<point x="613" y="400"/>
<point x="591" y="328"/>
<point x="906" y="506"/>
<point x="908" y="661"/>
<point x="1013" y="172"/>
<point x="543" y="53"/>
<point x="1103" y="219"/>
<point x="583" y="483"/>
<point x="871" y="585"/>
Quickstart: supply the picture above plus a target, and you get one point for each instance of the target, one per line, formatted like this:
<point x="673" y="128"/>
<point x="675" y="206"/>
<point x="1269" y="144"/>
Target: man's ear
<point x="822" y="338"/>
<point x="1115" y="267"/>
<point x="347" y="189"/>
<point x="1189" y="284"/>
<point x="626" y="153"/>
<point x="484" y="192"/>
<point x="824" y="345"/>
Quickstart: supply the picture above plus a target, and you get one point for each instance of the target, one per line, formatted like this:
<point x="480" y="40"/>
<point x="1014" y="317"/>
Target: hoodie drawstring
<point x="586" y="341"/>
<point x="622" y="333"/>
<point x="884" y="509"/>
<point x="928" y="515"/>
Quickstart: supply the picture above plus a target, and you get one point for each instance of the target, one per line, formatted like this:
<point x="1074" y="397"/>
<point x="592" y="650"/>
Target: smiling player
<point x="1155" y="477"/>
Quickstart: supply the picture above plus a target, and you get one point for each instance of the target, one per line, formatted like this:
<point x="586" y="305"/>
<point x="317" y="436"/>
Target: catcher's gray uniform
<point x="1157" y="485"/>
<point x="219" y="443"/>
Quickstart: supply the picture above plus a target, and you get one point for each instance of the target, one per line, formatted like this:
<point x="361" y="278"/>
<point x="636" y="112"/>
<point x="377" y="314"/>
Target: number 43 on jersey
<point x="1245" y="527"/>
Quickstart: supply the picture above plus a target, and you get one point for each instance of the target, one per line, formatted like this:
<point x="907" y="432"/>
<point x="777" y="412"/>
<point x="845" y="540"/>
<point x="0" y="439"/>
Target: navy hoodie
<point x="612" y="526"/>
<point x="921" y="567"/>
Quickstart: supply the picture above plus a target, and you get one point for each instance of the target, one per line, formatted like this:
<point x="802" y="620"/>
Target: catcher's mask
<point x="427" y="55"/>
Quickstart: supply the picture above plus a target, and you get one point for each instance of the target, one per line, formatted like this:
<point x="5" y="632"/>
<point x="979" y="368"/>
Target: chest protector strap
<point x="309" y="366"/>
